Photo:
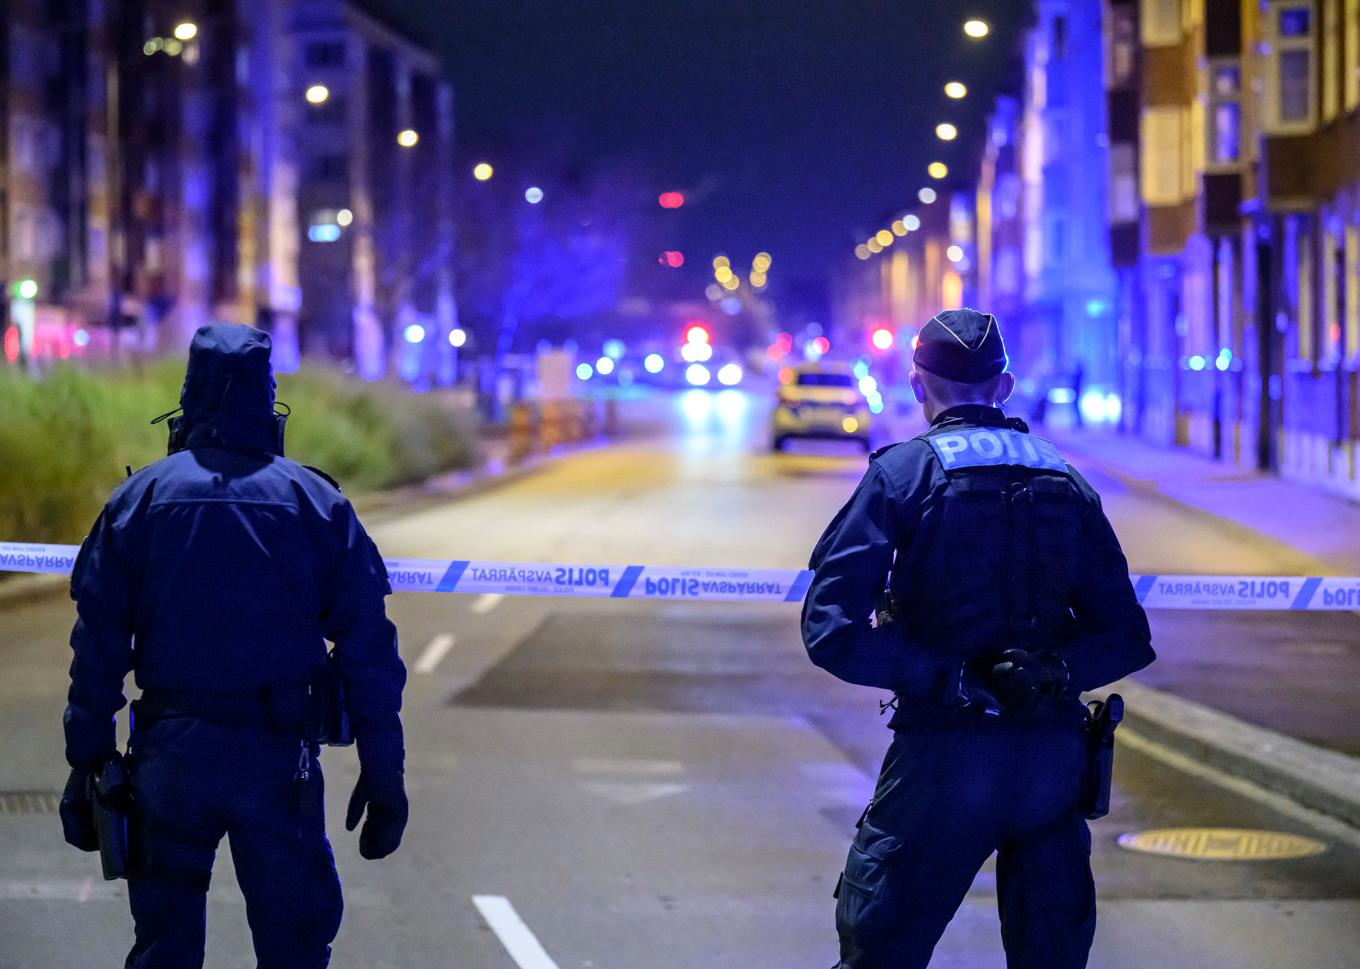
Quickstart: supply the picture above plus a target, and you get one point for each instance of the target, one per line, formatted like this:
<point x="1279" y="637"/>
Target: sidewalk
<point x="1317" y="524"/>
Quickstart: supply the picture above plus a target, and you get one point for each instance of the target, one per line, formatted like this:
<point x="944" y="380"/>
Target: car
<point x="820" y="400"/>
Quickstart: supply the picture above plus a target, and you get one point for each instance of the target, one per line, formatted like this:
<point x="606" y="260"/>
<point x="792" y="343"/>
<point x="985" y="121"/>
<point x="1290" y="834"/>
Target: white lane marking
<point x="485" y="602"/>
<point x="434" y="653"/>
<point x="523" y="947"/>
<point x="623" y="765"/>
<point x="632" y="793"/>
<point x="1324" y="824"/>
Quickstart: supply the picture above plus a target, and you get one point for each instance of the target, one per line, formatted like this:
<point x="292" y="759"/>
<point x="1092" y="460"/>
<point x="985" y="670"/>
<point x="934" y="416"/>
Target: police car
<point x="820" y="400"/>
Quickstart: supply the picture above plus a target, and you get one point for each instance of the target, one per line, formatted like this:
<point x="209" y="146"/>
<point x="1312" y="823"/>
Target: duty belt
<point x="275" y="708"/>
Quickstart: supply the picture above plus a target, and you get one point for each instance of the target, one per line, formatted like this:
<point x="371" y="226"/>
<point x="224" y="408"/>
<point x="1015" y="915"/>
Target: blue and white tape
<point x="582" y="580"/>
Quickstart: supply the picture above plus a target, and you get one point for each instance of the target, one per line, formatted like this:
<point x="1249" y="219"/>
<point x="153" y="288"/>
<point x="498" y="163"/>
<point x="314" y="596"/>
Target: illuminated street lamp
<point x="913" y="222"/>
<point x="956" y="90"/>
<point x="976" y="29"/>
<point x="344" y="217"/>
<point x="937" y="170"/>
<point x="186" y="30"/>
<point x="884" y="237"/>
<point x="862" y="251"/>
<point x="457" y="337"/>
<point x="946" y="131"/>
<point x="482" y="172"/>
<point x="407" y="137"/>
<point x="533" y="195"/>
<point x="761" y="263"/>
<point x="926" y="195"/>
<point x="318" y="94"/>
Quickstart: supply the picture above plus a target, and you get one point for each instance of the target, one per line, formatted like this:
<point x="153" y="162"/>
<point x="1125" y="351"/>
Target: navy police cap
<point x="961" y="345"/>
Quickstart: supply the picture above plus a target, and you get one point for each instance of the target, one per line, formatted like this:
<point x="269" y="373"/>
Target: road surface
<point x="634" y="785"/>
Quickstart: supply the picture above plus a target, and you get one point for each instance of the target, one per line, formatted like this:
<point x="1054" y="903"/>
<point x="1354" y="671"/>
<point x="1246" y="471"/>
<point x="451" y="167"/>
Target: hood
<point x="228" y="395"/>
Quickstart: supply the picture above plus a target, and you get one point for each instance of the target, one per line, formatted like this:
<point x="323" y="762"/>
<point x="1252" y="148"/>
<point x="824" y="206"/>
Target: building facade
<point x="1239" y="299"/>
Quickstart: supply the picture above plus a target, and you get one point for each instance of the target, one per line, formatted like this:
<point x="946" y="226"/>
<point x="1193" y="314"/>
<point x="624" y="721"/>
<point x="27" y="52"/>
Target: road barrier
<point x="582" y="580"/>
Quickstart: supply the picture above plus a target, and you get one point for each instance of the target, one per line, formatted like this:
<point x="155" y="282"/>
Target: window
<point x="1123" y="183"/>
<point x="1331" y="57"/>
<point x="1224" y="115"/>
<point x="328" y="53"/>
<point x="1333" y="293"/>
<point x="1059" y="37"/>
<point x="1161" y="156"/>
<point x="1290" y="83"/>
<point x="1121" y="45"/>
<point x="1303" y="290"/>
<point x="1161" y="22"/>
<point x="1352" y="287"/>
<point x="1352" y="85"/>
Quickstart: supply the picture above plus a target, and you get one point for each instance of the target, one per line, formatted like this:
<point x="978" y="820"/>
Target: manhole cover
<point x="1221" y="844"/>
<point x="15" y="803"/>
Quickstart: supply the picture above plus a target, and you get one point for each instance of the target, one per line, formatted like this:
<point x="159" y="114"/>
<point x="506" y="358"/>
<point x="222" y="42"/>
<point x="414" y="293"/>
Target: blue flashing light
<point x="613" y="349"/>
<point x="1223" y="363"/>
<point x="324" y="233"/>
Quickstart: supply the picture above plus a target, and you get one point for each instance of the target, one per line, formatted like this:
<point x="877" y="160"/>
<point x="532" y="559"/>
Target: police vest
<point x="994" y="561"/>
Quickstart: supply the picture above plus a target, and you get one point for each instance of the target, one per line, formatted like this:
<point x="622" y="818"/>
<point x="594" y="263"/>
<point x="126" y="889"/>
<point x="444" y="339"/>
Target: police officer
<point x="217" y="575"/>
<point x="1008" y="595"/>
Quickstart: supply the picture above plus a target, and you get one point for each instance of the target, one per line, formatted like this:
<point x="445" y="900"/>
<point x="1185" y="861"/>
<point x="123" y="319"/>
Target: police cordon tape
<point x="1264" y="592"/>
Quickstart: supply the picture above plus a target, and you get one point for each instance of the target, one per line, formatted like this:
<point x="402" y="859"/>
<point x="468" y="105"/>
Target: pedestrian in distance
<point x="974" y="574"/>
<point x="216" y="576"/>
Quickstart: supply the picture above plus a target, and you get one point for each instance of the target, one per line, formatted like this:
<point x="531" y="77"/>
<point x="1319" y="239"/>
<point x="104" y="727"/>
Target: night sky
<point x="797" y="127"/>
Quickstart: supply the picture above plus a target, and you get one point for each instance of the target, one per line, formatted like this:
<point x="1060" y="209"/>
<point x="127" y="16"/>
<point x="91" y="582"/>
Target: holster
<point x="1102" y="718"/>
<point x="110" y="797"/>
<point x="328" y="719"/>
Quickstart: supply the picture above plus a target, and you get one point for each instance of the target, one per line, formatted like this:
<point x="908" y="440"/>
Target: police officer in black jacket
<point x="216" y="576"/>
<point x="1007" y="594"/>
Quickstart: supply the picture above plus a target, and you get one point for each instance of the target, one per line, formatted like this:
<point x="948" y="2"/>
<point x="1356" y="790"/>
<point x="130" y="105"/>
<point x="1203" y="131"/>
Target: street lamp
<point x="956" y="90"/>
<point x="482" y="171"/>
<point x="884" y="237"/>
<point x="407" y="137"/>
<point x="937" y="170"/>
<point x="946" y="131"/>
<point x="344" y="217"/>
<point x="976" y="29"/>
<point x="533" y="195"/>
<point x="317" y="94"/>
<point x="186" y="30"/>
<point x="926" y="195"/>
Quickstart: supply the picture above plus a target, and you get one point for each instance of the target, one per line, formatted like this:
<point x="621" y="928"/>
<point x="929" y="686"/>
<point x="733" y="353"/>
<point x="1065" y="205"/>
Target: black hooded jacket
<point x="223" y="568"/>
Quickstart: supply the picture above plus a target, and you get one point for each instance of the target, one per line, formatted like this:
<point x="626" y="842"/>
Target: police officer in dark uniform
<point x="1002" y="593"/>
<point x="216" y="576"/>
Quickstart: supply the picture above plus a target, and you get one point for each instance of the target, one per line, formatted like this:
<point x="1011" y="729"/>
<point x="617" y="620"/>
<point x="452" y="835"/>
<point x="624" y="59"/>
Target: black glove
<point x="1020" y="678"/>
<point x="973" y="691"/>
<point x="388" y="809"/>
<point x="77" y="812"/>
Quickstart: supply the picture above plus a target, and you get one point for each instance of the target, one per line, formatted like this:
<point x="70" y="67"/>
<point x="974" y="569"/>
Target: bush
<point x="66" y="438"/>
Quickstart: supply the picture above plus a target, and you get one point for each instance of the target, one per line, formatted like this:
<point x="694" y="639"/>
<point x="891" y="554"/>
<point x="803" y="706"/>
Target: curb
<point x="1323" y="780"/>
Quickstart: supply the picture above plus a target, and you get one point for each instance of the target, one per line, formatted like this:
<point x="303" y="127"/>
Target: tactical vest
<point x="994" y="561"/>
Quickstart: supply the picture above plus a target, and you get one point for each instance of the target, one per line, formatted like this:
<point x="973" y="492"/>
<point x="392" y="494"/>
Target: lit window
<point x="1161" y="155"/>
<point x="1121" y="45"/>
<point x="1303" y="290"/>
<point x="1331" y="58"/>
<point x="1224" y="115"/>
<point x="1161" y="22"/>
<point x="1352" y="73"/>
<point x="1351" y="285"/>
<point x="1290" y="83"/>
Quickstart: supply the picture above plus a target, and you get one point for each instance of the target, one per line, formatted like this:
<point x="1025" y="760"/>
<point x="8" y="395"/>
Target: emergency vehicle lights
<point x="697" y="333"/>
<point x="653" y="363"/>
<point x="882" y="338"/>
<point x="697" y="375"/>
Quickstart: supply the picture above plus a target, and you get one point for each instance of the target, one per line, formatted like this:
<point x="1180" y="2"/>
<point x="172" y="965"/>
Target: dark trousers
<point x="195" y="782"/>
<point x="953" y="790"/>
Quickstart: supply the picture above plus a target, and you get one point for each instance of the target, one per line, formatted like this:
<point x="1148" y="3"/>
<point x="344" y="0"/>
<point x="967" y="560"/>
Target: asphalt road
<point x="668" y="786"/>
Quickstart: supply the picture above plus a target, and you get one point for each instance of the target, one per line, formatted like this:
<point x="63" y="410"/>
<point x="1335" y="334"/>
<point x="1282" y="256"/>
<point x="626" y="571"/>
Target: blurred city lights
<point x="323" y="233"/>
<point x="884" y="237"/>
<point x="344" y="217"/>
<point x="860" y="367"/>
<point x="697" y="375"/>
<point x="822" y="344"/>
<point x="723" y="273"/>
<point x="873" y="245"/>
<point x="671" y="200"/>
<point x="174" y="47"/>
<point x="482" y="171"/>
<point x="882" y="338"/>
<point x="533" y="195"/>
<point x="584" y="371"/>
<point x="899" y="227"/>
<point x="697" y="333"/>
<point x="926" y="195"/>
<point x="758" y="279"/>
<point x="849" y="425"/>
<point x="731" y="283"/>
<point x="408" y="137"/>
<point x="415" y="333"/>
<point x="868" y="386"/>
<point x="653" y="363"/>
<point x="721" y="262"/>
<point x="786" y="375"/>
<point x="317" y="94"/>
<point x="731" y="306"/>
<point x="696" y="353"/>
<point x="946" y="131"/>
<point x="956" y="90"/>
<point x="977" y="29"/>
<point x="152" y="46"/>
<point x="457" y="337"/>
<point x="26" y="289"/>
<point x="1196" y="362"/>
<point x="186" y="30"/>
<point x="954" y="253"/>
<point x="713" y="291"/>
<point x="81" y="337"/>
<point x="913" y="222"/>
<point x="672" y="258"/>
<point x="604" y="366"/>
<point x="937" y="169"/>
<point x="729" y="375"/>
<point x="862" y="251"/>
<point x="761" y="263"/>
<point x="876" y="404"/>
<point x="613" y="348"/>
